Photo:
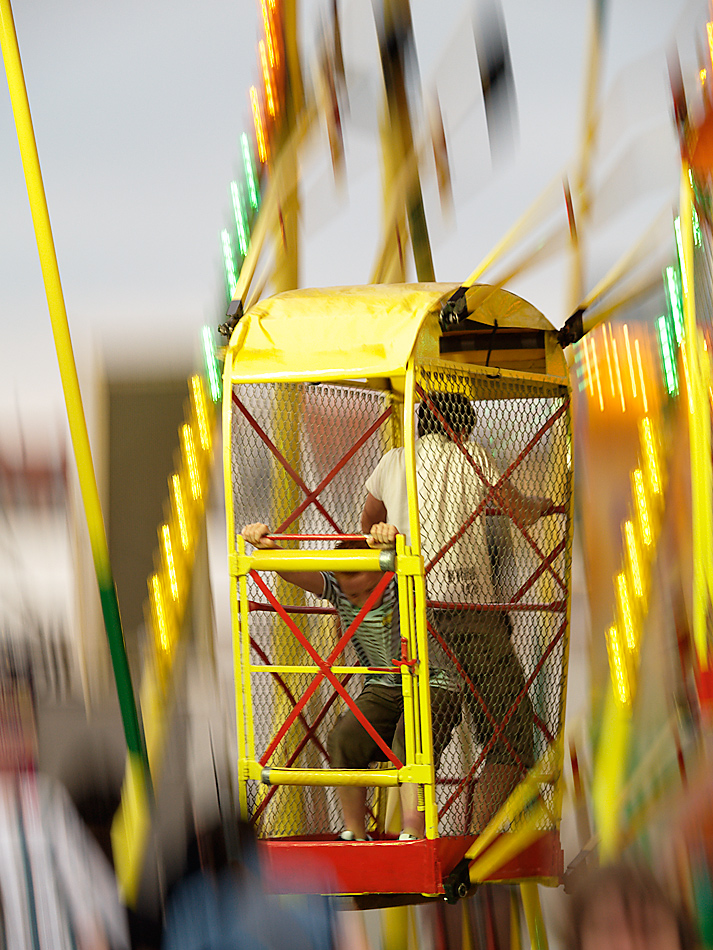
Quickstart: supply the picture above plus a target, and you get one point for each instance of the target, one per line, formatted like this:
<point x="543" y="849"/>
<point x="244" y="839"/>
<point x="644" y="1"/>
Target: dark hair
<point x="353" y="544"/>
<point x="642" y="899"/>
<point x="452" y="408"/>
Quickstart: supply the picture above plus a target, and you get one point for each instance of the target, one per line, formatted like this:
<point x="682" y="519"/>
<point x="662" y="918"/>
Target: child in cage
<point x="377" y="643"/>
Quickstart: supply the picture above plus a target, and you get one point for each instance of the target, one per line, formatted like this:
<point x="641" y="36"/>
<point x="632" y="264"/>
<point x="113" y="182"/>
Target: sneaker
<point x="405" y="836"/>
<point x="350" y="836"/>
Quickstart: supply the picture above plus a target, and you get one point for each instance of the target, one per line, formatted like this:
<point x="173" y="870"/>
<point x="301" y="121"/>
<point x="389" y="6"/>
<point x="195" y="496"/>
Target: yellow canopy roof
<point x="353" y="332"/>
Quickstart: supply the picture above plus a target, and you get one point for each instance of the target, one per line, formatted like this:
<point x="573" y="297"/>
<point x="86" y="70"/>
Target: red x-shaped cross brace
<point x="311" y="496"/>
<point x="492" y="492"/>
<point x="309" y="735"/>
<point x="325" y="668"/>
<point x="498" y="727"/>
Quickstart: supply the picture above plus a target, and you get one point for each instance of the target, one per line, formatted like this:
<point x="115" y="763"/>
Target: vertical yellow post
<point x="609" y="773"/>
<point x="515" y="933"/>
<point x="699" y="429"/>
<point x="533" y="916"/>
<point x="394" y="928"/>
<point x="73" y="400"/>
<point x="424" y="693"/>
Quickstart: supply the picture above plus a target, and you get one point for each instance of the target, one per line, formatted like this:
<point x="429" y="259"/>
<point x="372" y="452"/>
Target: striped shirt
<point x="377" y="640"/>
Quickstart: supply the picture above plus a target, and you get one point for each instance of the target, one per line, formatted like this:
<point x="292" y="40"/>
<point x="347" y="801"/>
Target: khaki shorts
<point x="351" y="747"/>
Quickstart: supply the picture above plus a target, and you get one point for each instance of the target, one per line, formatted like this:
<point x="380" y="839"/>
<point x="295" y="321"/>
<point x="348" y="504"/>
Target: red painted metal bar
<point x="504" y="508"/>
<point x="302" y="743"/>
<point x="325" y="670"/>
<point x="511" y="468"/>
<point x="337" y="468"/>
<point x="282" y="460"/>
<point x="316" y="537"/>
<point x="492" y="490"/>
<point x="531" y="679"/>
<point x="471" y="686"/>
<point x="256" y="605"/>
<point x="539" y="571"/>
<point x="554" y="606"/>
<point x="288" y="692"/>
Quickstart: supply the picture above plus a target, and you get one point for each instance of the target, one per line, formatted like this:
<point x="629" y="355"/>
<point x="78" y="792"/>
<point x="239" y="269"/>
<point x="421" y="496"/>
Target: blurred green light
<point x="675" y="302"/>
<point x="211" y="364"/>
<point x="579" y="367"/>
<point x="229" y="263"/>
<point x="241" y="222"/>
<point x="667" y="357"/>
<point x="253" y="188"/>
<point x="679" y="242"/>
<point x="696" y="228"/>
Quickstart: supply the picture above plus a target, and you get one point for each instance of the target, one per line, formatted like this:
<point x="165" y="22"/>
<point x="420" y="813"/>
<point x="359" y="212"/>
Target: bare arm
<point x="311" y="581"/>
<point x="527" y="509"/>
<point x="373" y="513"/>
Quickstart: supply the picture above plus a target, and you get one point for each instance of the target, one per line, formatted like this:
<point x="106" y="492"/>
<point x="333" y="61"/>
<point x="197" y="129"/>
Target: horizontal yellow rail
<point x="349" y="560"/>
<point x="368" y="778"/>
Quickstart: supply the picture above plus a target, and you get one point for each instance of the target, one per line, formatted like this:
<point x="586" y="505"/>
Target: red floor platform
<point x="310" y="865"/>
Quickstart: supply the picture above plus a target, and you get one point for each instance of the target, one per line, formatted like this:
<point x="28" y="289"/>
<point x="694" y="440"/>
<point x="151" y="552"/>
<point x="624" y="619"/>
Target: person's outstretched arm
<point x="312" y="581"/>
<point x="527" y="508"/>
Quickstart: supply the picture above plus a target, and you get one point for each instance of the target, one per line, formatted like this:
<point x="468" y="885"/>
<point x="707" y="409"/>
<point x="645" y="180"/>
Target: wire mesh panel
<point x="493" y="475"/>
<point x="300" y="457"/>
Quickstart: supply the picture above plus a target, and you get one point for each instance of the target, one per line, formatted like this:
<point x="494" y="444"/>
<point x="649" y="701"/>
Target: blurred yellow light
<point x="633" y="553"/>
<point x="702" y="76"/>
<point x="617" y="665"/>
<point x="595" y="362"/>
<point x="650" y="455"/>
<point x="168" y="555"/>
<point x="199" y="401"/>
<point x="689" y="388"/>
<point x="180" y="510"/>
<point x="269" y="33"/>
<point x="618" y="374"/>
<point x="590" y="375"/>
<point x="630" y="360"/>
<point x="609" y="366"/>
<point x="625" y="606"/>
<point x="642" y="508"/>
<point x="259" y="128"/>
<point x="709" y="31"/>
<point x="267" y="80"/>
<point x="641" y="375"/>
<point x="159" y="614"/>
<point x="189" y="453"/>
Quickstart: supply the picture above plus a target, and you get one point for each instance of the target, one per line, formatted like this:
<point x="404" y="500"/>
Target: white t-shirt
<point x="450" y="489"/>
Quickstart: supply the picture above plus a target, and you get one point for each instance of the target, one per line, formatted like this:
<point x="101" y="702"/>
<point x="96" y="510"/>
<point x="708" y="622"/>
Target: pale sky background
<point x="138" y="109"/>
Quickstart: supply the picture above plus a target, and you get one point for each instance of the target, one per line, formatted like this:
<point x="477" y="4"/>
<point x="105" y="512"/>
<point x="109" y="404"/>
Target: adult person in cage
<point x="377" y="644"/>
<point x="453" y="482"/>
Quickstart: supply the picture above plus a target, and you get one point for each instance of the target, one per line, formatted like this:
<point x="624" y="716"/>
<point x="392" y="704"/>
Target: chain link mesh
<point x="286" y="441"/>
<point x="497" y="596"/>
<point x="497" y="575"/>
